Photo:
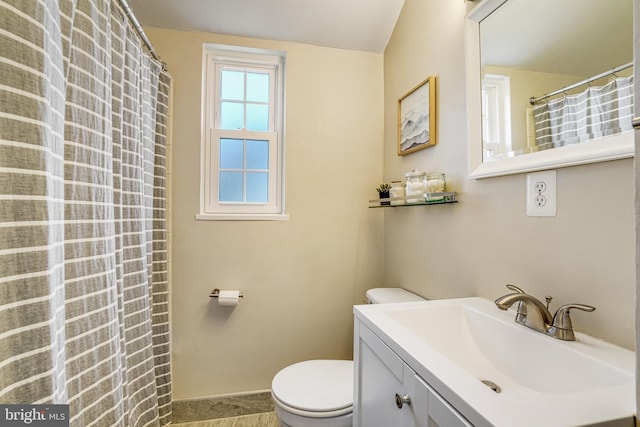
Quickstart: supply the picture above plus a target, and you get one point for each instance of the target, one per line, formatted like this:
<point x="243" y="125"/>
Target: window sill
<point x="242" y="217"/>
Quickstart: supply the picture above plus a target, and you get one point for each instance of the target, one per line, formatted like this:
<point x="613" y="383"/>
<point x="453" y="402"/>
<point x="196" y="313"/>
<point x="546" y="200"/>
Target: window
<point x="242" y="174"/>
<point x="496" y="115"/>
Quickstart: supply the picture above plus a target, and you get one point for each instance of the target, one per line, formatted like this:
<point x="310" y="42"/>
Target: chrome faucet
<point x="533" y="314"/>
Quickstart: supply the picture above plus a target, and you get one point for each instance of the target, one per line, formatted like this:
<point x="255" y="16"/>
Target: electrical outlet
<point x="541" y="193"/>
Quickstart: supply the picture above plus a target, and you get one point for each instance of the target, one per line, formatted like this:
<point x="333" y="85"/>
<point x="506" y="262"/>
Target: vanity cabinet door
<point x="439" y="412"/>
<point x="379" y="376"/>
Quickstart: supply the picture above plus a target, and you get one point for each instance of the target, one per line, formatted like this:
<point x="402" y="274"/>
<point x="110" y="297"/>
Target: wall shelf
<point x="414" y="200"/>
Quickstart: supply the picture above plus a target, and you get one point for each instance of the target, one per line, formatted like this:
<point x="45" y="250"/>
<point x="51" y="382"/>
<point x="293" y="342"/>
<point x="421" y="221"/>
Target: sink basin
<point x="505" y="373"/>
<point x="505" y="353"/>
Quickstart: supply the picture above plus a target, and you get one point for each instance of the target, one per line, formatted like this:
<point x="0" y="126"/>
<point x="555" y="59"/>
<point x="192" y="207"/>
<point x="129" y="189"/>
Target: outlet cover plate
<point x="541" y="193"/>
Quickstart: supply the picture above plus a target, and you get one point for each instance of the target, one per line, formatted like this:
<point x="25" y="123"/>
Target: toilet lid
<point x="315" y="385"/>
<point x="389" y="295"/>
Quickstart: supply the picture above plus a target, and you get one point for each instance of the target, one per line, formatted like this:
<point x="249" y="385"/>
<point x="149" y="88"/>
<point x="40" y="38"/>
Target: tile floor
<point x="225" y="411"/>
<point x="257" y="420"/>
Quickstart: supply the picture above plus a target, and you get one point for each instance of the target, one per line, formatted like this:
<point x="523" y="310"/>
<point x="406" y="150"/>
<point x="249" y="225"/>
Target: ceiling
<point x="543" y="35"/>
<point x="364" y="25"/>
<point x="579" y="37"/>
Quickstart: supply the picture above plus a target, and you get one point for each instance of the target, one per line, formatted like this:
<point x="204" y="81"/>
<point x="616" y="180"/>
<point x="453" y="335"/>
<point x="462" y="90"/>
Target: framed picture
<point x="417" y="117"/>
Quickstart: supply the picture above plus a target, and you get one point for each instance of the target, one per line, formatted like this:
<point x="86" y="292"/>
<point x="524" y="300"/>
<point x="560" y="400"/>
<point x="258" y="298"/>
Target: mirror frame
<point x="601" y="150"/>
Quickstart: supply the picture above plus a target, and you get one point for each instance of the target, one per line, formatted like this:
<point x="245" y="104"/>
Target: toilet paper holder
<point x="216" y="293"/>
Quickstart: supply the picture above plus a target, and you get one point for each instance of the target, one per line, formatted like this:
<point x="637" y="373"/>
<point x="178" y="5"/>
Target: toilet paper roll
<point x="229" y="298"/>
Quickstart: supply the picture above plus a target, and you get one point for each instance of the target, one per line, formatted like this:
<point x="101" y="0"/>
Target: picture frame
<point x="417" y="118"/>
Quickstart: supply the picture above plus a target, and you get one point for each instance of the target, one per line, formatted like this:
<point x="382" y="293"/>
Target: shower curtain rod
<point x="533" y="100"/>
<point x="136" y="25"/>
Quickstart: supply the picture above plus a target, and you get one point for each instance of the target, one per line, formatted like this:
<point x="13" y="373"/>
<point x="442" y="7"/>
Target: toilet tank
<point x="389" y="295"/>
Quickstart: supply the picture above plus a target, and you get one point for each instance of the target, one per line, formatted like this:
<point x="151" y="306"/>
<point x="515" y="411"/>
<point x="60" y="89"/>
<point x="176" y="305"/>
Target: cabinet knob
<point x="401" y="400"/>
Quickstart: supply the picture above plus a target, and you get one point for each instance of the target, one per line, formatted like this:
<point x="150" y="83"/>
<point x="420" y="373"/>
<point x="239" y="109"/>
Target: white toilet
<point x="319" y="393"/>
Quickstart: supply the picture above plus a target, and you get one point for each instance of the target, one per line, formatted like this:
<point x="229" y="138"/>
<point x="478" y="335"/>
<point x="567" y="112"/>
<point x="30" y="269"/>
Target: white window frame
<point x="215" y="58"/>
<point x="496" y="115"/>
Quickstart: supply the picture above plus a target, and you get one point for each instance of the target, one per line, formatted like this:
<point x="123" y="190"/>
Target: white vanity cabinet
<point x="389" y="393"/>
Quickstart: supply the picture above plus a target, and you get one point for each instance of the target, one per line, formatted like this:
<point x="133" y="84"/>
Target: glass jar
<point x="397" y="190"/>
<point x="435" y="184"/>
<point x="415" y="185"/>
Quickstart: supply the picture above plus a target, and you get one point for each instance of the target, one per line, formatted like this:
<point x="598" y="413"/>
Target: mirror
<point x="522" y="49"/>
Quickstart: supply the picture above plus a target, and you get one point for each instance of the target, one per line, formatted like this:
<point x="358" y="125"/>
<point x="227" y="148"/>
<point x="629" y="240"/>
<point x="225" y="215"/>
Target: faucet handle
<point x="565" y="308"/>
<point x="562" y="321"/>
<point x="514" y="288"/>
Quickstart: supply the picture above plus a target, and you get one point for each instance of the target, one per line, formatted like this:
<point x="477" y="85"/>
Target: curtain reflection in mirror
<point x="596" y="112"/>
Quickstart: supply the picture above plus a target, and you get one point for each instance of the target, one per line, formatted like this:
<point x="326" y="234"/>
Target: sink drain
<point x="493" y="386"/>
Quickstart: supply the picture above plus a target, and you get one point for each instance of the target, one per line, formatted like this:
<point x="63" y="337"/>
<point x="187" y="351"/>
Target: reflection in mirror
<point x="570" y="58"/>
<point x="533" y="48"/>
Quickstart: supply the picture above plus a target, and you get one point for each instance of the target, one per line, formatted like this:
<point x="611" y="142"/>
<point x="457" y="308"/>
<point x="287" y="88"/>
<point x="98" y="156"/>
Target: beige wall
<point x="300" y="277"/>
<point x="585" y="254"/>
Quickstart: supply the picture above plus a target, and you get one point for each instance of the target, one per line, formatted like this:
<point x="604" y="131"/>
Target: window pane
<point x="257" y="154"/>
<point x="231" y="153"/>
<point x="257" y="187"/>
<point x="232" y="85"/>
<point x="231" y="115"/>
<point x="257" y="117"/>
<point x="257" y="87"/>
<point x="230" y="184"/>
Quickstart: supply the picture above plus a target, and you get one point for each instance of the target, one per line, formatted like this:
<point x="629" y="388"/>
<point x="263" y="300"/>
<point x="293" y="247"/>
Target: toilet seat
<point x="311" y="414"/>
<point x="315" y="388"/>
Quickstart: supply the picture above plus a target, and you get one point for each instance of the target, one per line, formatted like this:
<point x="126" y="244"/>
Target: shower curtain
<point x="83" y="255"/>
<point x="597" y="112"/>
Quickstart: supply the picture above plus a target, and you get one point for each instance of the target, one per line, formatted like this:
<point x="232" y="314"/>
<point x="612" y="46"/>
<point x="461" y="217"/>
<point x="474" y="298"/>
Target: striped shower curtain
<point x="83" y="261"/>
<point x="597" y="112"/>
